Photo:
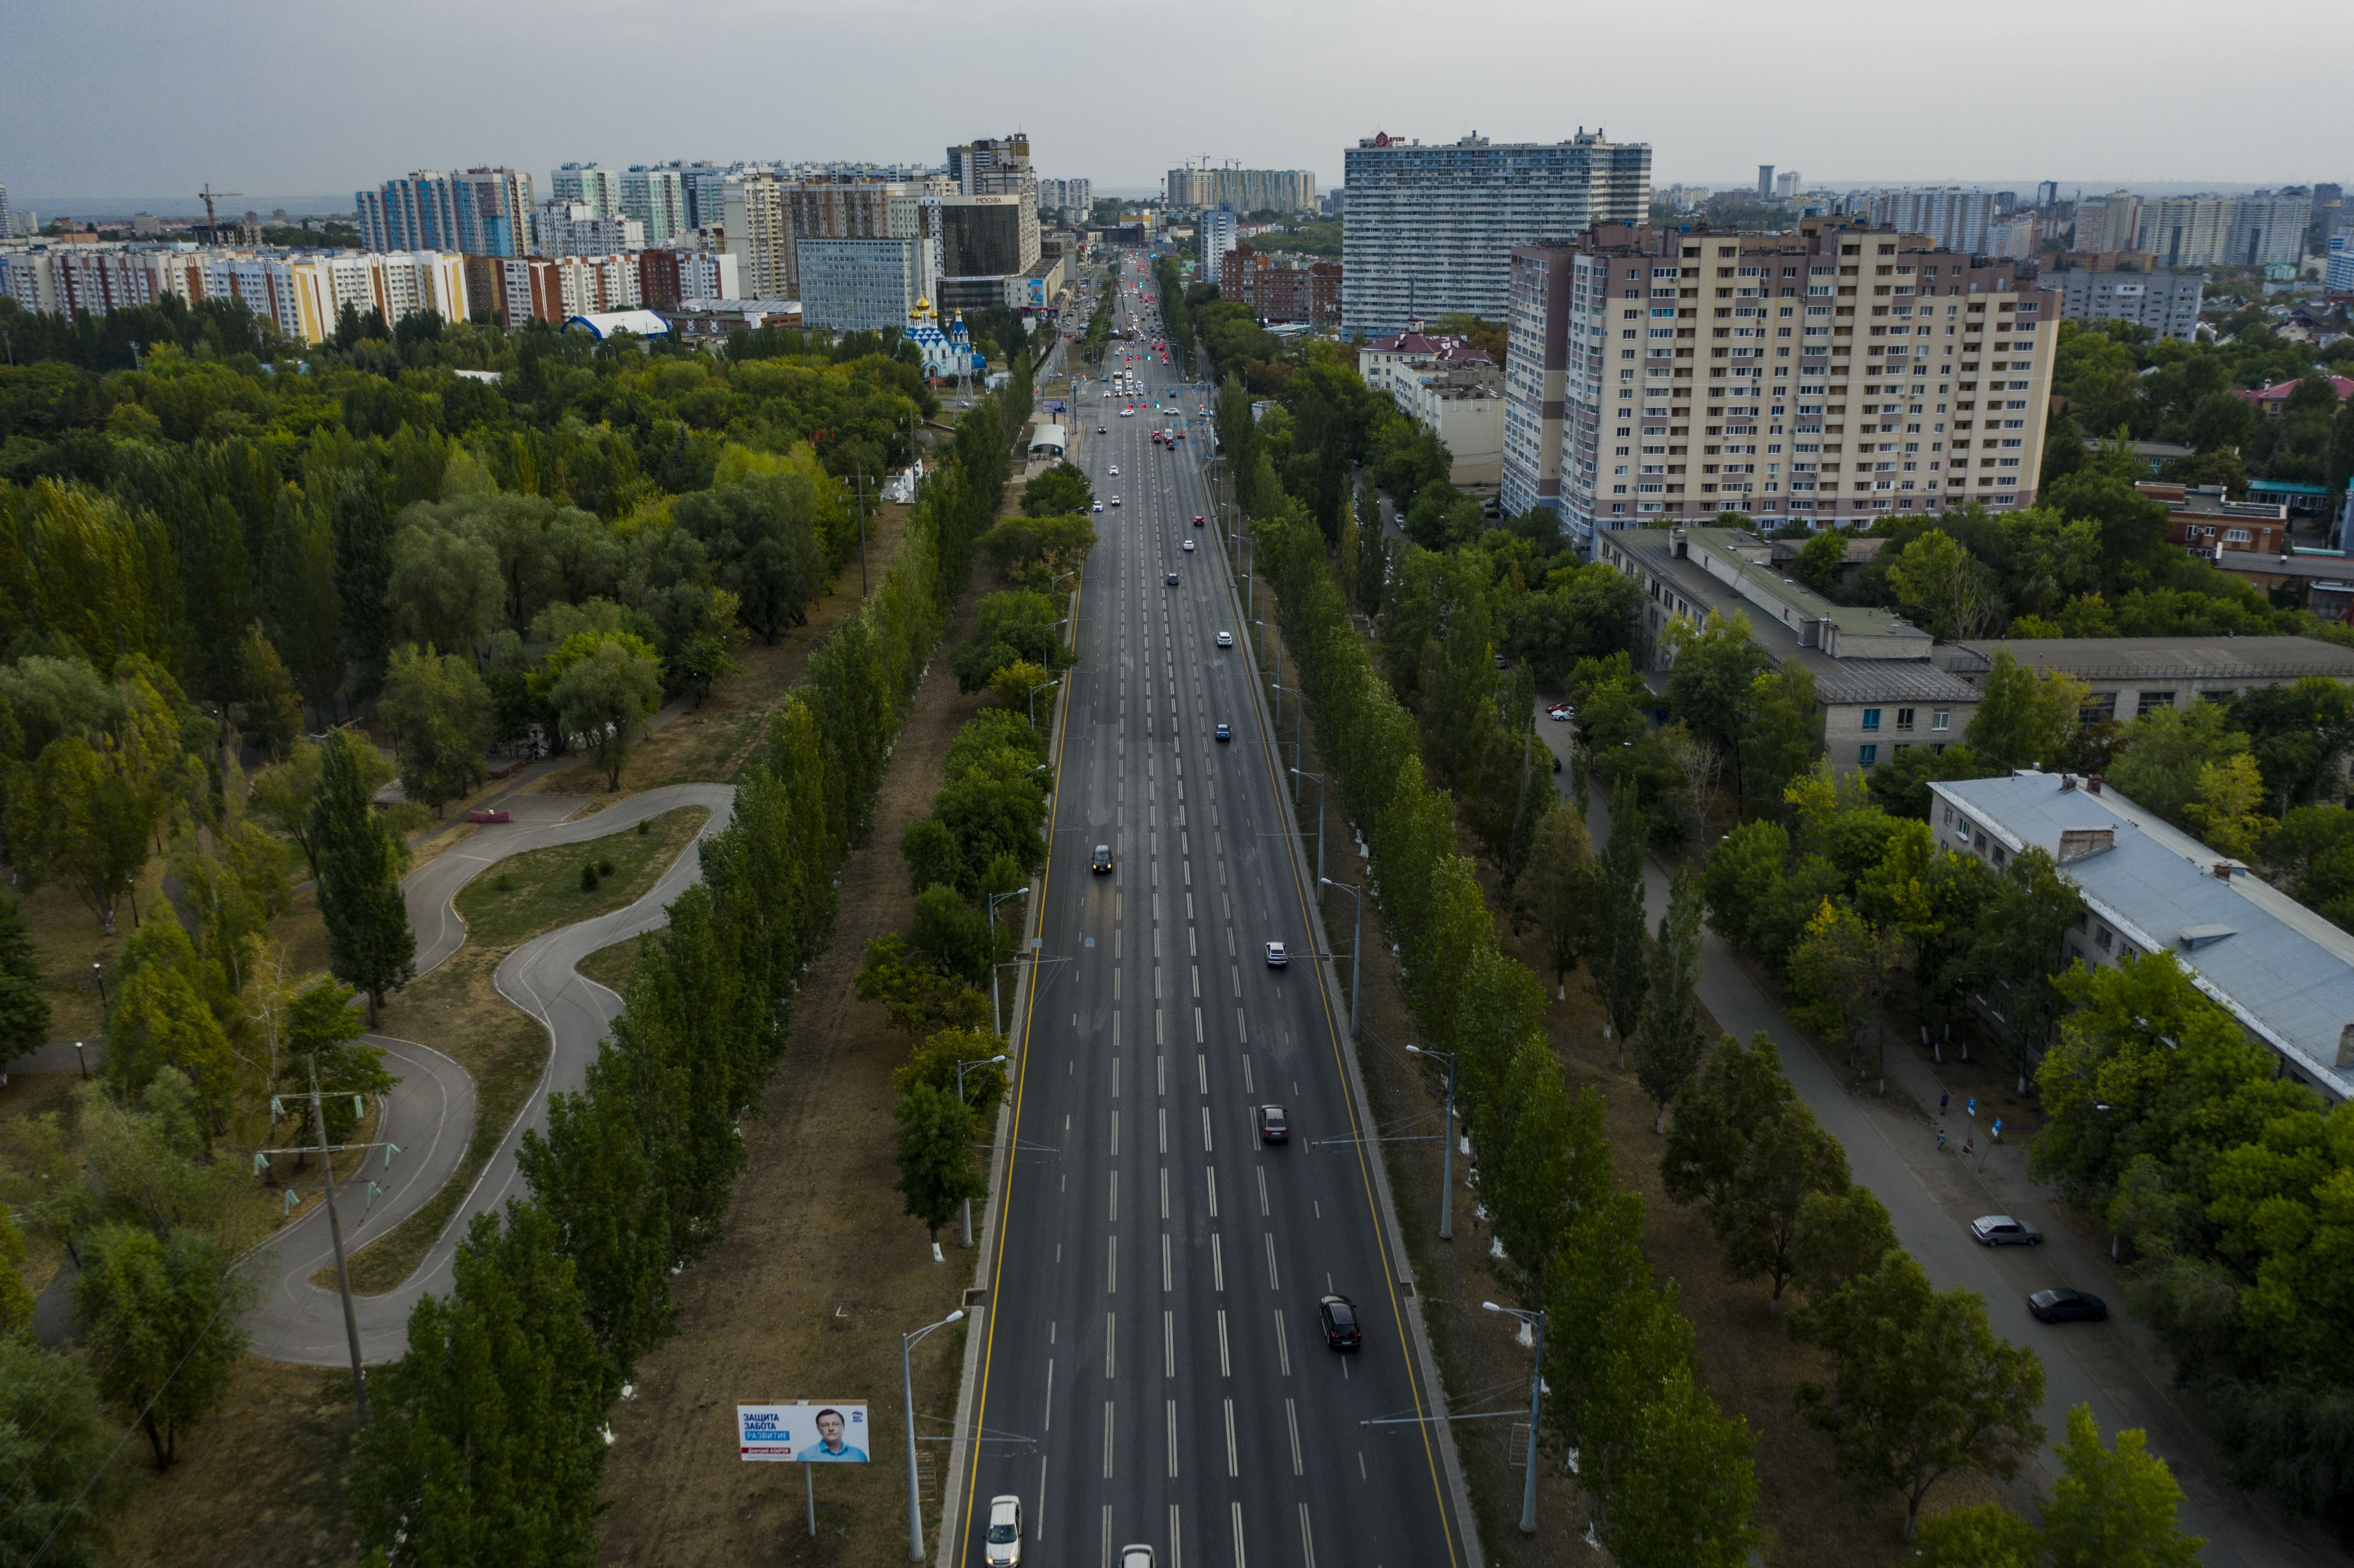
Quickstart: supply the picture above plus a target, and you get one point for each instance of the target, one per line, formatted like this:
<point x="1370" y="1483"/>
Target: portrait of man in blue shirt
<point x="830" y="1445"/>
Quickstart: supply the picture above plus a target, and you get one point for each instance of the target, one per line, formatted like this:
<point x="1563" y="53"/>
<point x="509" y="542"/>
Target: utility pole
<point x="1447" y="1155"/>
<point x="326" y="1153"/>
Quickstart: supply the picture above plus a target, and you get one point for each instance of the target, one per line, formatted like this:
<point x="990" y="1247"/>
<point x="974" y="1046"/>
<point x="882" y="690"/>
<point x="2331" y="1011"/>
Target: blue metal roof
<point x="2285" y="972"/>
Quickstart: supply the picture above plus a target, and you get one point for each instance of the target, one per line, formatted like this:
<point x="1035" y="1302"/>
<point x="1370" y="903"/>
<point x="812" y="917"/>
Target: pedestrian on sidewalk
<point x="1941" y="1140"/>
<point x="1969" y="1147"/>
<point x="1944" y="1100"/>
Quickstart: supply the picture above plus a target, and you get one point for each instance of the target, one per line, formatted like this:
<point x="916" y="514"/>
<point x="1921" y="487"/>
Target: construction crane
<point x="212" y="224"/>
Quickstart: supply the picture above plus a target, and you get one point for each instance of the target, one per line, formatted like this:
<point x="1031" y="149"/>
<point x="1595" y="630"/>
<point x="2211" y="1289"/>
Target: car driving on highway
<point x="2002" y="1230"/>
<point x="1002" y="1547"/>
<point x="1339" y="1314"/>
<point x="1278" y="956"/>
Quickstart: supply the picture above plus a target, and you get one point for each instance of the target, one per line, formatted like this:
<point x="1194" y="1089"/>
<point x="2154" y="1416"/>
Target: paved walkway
<point x="2115" y="1367"/>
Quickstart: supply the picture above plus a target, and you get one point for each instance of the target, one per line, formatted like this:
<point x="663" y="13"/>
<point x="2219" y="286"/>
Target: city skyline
<point x="356" y="126"/>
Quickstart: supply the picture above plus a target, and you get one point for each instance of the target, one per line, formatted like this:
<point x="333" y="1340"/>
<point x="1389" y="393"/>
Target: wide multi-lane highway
<point x="1150" y="1366"/>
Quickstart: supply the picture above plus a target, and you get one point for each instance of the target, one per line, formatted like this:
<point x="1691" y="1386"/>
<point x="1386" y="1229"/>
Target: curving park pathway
<point x="431" y="1113"/>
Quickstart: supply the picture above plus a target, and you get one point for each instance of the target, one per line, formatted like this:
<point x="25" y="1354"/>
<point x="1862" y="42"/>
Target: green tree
<point x="2299" y="734"/>
<point x="2163" y="751"/>
<point x="1622" y="957"/>
<point x="439" y="713"/>
<point x="1790" y="1159"/>
<point x="1981" y="1535"/>
<point x="1836" y="972"/>
<point x="56" y="1448"/>
<point x="1821" y="559"/>
<point x="603" y="697"/>
<point x="935" y="1140"/>
<point x="16" y="1298"/>
<point x="24" y="1011"/>
<point x="1709" y="683"/>
<point x="2026" y="719"/>
<point x="160" y="1317"/>
<point x="2114" y="1508"/>
<point x="1922" y="1386"/>
<point x="1839" y="1236"/>
<point x="760" y="535"/>
<point x="1670" y="1039"/>
<point x="1555" y="892"/>
<point x="445" y="589"/>
<point x="1779" y="736"/>
<point x="72" y="818"/>
<point x="322" y="1043"/>
<point x="919" y="998"/>
<point x="1740" y="1088"/>
<point x="1544" y="1162"/>
<point x="487" y="1440"/>
<point x="159" y="1017"/>
<point x="1952" y="592"/>
<point x="272" y="715"/>
<point x="369" y="944"/>
<point x="935" y="1063"/>
<point x="1682" y="1497"/>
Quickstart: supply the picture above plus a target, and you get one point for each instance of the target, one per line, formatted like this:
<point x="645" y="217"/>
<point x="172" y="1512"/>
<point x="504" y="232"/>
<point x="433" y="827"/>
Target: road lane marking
<point x="1225" y="1365"/>
<point x="1107" y="1475"/>
<point x="1206" y="1127"/>
<point x="1172" y="1439"/>
<point x="1111" y="1341"/>
<point x="1164" y="1192"/>
<point x="1212" y="1172"/>
<point x="1217" y="1263"/>
<point x="1262" y="1191"/>
<point x="1167" y="1276"/>
<point x="1282" y="1343"/>
<point x="1239" y="1560"/>
<point x="1233" y="1462"/>
<point x="1165" y="1120"/>
<point x="1111" y="1270"/>
<point x="1201" y="1067"/>
<point x="1306" y="1540"/>
<point x="1291" y="1414"/>
<point x="1246" y="1070"/>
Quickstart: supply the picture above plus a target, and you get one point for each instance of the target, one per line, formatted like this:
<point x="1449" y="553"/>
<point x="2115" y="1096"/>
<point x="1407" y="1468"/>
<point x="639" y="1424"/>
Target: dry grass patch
<point x="820" y="1271"/>
<point x="259" y="1485"/>
<point x="611" y="967"/>
<point x="67" y="938"/>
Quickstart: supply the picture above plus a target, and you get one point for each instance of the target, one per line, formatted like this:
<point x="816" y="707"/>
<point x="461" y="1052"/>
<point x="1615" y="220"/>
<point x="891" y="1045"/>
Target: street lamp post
<point x="1356" y="949"/>
<point x="960" y="1069"/>
<point x="1319" y="815"/>
<point x="994" y="900"/>
<point x="98" y="973"/>
<point x="907" y="1389"/>
<point x="1032" y="697"/>
<point x="1447" y="1158"/>
<point x="1536" y="1320"/>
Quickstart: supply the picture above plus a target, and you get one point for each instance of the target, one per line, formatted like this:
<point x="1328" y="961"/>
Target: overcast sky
<point x="109" y="98"/>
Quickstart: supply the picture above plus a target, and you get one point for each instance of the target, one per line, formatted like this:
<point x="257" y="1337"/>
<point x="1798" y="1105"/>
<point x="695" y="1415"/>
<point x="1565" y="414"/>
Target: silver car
<point x="2002" y="1230"/>
<point x="1001" y="1548"/>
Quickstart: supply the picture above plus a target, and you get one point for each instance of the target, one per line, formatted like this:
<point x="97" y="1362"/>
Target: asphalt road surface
<point x="1151" y="1366"/>
<point x="431" y="1113"/>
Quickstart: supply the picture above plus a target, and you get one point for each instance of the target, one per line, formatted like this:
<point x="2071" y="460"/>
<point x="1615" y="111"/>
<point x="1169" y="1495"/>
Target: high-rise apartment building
<point x="1764" y="182"/>
<point x="656" y="197"/>
<point x="2223" y="231"/>
<point x="768" y="218"/>
<point x="303" y="293"/>
<point x="2109" y="223"/>
<point x="1537" y="356"/>
<point x="1786" y="186"/>
<point x="1245" y="190"/>
<point x="994" y="166"/>
<point x="1430" y="229"/>
<point x="571" y="229"/>
<point x="13" y="224"/>
<point x="1066" y="195"/>
<point x="1220" y="232"/>
<point x="1956" y="219"/>
<point x="591" y="185"/>
<point x="1827" y="375"/>
<point x="2047" y="195"/>
<point x="479" y="212"/>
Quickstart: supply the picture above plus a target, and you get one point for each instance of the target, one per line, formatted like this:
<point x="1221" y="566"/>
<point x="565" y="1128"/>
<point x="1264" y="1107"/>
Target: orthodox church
<point x="948" y="350"/>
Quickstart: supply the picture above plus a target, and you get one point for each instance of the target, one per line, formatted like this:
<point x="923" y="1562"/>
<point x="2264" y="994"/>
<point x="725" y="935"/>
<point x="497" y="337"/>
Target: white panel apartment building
<point x="1430" y="229"/>
<point x="1220" y="232"/>
<point x="591" y="185"/>
<point x="1956" y="219"/>
<point x="303" y="293"/>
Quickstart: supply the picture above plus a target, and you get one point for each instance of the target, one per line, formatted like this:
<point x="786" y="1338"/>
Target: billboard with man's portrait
<point x="803" y="1433"/>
